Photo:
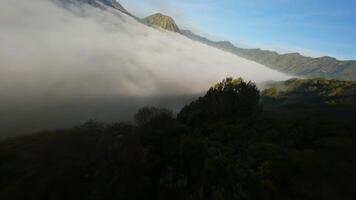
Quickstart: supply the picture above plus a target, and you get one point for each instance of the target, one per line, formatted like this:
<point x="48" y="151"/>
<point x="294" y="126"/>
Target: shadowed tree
<point x="231" y="98"/>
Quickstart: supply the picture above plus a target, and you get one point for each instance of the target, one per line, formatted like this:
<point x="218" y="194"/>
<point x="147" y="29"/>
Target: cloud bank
<point x="52" y="58"/>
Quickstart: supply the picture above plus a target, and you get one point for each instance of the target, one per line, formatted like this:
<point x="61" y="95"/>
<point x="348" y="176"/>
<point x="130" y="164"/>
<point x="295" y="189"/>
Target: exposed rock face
<point x="162" y="21"/>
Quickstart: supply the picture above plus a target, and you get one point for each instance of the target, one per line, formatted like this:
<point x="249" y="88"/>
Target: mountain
<point x="292" y="63"/>
<point x="162" y="21"/>
<point x="102" y="4"/>
<point x="114" y="4"/>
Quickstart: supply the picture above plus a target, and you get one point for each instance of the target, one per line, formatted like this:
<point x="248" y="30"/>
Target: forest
<point x="295" y="140"/>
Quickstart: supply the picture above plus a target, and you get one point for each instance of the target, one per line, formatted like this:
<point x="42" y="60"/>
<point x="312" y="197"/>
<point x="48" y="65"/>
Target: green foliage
<point x="228" y="155"/>
<point x="312" y="93"/>
<point x="232" y="98"/>
<point x="270" y="92"/>
<point x="321" y="87"/>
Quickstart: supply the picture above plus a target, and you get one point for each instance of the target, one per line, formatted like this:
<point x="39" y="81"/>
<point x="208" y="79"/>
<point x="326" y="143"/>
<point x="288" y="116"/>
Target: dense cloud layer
<point x="51" y="56"/>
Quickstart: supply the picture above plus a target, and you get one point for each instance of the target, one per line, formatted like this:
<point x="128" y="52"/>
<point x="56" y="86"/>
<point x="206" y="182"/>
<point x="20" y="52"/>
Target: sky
<point x="311" y="27"/>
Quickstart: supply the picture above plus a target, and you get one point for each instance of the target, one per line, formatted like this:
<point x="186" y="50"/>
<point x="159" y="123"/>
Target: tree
<point x="154" y="117"/>
<point x="270" y="93"/>
<point x="231" y="98"/>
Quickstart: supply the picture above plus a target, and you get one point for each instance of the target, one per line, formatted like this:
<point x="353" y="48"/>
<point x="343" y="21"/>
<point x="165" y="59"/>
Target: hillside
<point x="313" y="98"/>
<point x="162" y="21"/>
<point x="332" y="91"/>
<point x="293" y="63"/>
<point x="220" y="146"/>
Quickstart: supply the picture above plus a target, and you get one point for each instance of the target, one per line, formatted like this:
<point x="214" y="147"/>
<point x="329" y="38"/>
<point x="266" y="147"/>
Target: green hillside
<point x="293" y="63"/>
<point x="313" y="98"/>
<point x="313" y="92"/>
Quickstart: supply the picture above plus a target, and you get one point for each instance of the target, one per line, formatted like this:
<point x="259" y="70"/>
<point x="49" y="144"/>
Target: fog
<point x="60" y="67"/>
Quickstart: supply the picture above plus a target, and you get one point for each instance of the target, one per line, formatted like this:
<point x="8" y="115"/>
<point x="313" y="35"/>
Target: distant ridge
<point x="292" y="63"/>
<point x="102" y="4"/>
<point x="162" y="21"/>
<point x="114" y="4"/>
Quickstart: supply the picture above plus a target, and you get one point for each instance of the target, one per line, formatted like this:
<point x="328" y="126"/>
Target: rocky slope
<point x="162" y="21"/>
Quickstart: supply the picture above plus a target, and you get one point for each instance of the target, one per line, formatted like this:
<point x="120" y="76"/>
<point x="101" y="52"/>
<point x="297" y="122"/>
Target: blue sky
<point x="312" y="27"/>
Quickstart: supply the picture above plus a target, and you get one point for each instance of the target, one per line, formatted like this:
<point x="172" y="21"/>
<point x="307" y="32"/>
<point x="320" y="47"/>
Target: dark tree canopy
<point x="210" y="153"/>
<point x="152" y="116"/>
<point x="231" y="98"/>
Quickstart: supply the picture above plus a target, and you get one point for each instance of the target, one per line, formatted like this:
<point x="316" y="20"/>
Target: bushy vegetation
<point x="221" y="146"/>
<point x="310" y="93"/>
<point x="232" y="98"/>
<point x="316" y="87"/>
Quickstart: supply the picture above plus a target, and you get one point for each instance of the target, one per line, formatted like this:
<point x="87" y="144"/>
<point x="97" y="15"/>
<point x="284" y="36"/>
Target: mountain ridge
<point x="291" y="63"/>
<point x="294" y="64"/>
<point x="97" y="3"/>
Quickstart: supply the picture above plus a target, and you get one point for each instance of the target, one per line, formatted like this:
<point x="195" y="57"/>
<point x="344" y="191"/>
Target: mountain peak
<point x="162" y="21"/>
<point x="160" y="14"/>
